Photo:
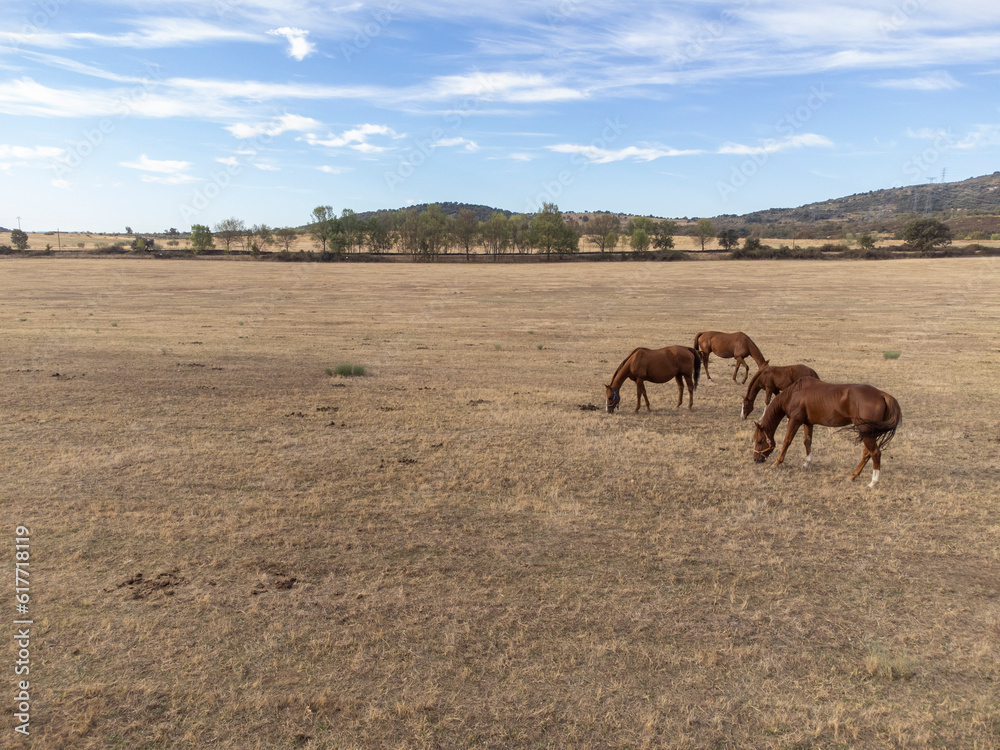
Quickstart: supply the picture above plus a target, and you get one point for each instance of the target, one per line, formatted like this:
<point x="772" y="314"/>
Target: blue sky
<point x="165" y="114"/>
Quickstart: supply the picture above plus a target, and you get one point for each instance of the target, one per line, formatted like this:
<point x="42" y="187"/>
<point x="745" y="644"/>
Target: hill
<point x="965" y="199"/>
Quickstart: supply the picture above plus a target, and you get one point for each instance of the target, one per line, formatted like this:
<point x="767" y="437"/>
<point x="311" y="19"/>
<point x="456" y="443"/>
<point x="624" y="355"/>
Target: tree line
<point x="431" y="232"/>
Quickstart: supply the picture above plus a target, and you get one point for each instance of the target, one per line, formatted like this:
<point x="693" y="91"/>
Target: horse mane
<point x="753" y="380"/>
<point x="755" y="352"/>
<point x="623" y="363"/>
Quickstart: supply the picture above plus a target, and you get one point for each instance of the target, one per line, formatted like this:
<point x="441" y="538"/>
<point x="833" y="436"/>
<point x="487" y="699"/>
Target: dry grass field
<point x="233" y="548"/>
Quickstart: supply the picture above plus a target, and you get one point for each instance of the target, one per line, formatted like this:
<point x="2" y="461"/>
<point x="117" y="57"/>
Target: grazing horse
<point x="873" y="415"/>
<point x="727" y="346"/>
<point x="656" y="366"/>
<point x="772" y="380"/>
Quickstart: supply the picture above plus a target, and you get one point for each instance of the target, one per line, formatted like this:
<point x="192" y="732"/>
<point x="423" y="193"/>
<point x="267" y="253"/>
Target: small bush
<point x="347" y="370"/>
<point x="881" y="664"/>
<point x="891" y="355"/>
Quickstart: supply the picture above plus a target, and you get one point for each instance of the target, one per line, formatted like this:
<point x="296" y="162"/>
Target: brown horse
<point x="772" y="380"/>
<point x="727" y="346"/>
<point x="680" y="363"/>
<point x="873" y="415"/>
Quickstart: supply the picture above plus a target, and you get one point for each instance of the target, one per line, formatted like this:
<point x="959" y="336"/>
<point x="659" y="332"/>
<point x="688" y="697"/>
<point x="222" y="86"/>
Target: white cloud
<point x="61" y="184"/>
<point x="509" y="87"/>
<point x="333" y="170"/>
<point x="470" y="146"/>
<point x="598" y="155"/>
<point x="981" y="137"/>
<point x="355" y="138"/>
<point x="299" y="48"/>
<point x="32" y="153"/>
<point x="267" y="167"/>
<point x="939" y="81"/>
<point x="772" y="145"/>
<point x="229" y="161"/>
<point x="164" y="172"/>
<point x="283" y="124"/>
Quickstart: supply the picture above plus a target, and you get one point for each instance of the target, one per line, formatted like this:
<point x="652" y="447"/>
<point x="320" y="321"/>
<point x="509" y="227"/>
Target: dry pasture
<point x="232" y="548"/>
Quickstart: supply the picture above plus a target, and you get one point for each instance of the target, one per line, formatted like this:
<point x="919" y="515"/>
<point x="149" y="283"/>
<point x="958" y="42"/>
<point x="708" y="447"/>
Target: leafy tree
<point x="379" y="232"/>
<point x="549" y="231"/>
<point x="285" y="236"/>
<point x="520" y="232"/>
<point x="599" y="227"/>
<point x="466" y="229"/>
<point x="229" y="231"/>
<point x="704" y="231"/>
<point x="925" y="234"/>
<point x="201" y="239"/>
<point x="351" y="229"/>
<point x="433" y="229"/>
<point x="866" y="242"/>
<point x="728" y="239"/>
<point x="640" y="241"/>
<point x="640" y="222"/>
<point x="662" y="237"/>
<point x="324" y="226"/>
<point x="260" y="238"/>
<point x="752" y="244"/>
<point x="19" y="239"/>
<point x="611" y="241"/>
<point x="495" y="232"/>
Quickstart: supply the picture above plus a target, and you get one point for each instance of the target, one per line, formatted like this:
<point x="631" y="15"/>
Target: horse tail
<point x="697" y="364"/>
<point x="696" y="337"/>
<point x="881" y="430"/>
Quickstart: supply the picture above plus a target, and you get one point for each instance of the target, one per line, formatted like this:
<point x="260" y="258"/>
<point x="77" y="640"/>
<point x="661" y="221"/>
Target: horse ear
<point x="757" y="425"/>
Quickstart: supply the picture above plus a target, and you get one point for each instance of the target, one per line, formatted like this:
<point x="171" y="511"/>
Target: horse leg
<point x="690" y="383"/>
<point x="808" y="440"/>
<point x="704" y="361"/>
<point x="641" y="388"/>
<point x="793" y="427"/>
<point x="740" y="362"/>
<point x="865" y="455"/>
<point x="680" y="389"/>
<point x="871" y="451"/>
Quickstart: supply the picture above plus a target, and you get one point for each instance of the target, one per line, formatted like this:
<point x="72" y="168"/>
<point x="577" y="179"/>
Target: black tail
<point x="697" y="365"/>
<point x="884" y="430"/>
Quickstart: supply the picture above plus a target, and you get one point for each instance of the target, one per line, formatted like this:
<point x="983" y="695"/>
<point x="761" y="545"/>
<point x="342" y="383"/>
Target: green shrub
<point x="347" y="370"/>
<point x="891" y="355"/>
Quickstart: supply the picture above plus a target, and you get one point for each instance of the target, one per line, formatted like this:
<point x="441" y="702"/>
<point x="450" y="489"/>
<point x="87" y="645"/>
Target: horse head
<point x="762" y="444"/>
<point x="747" y="408"/>
<point x="611" y="395"/>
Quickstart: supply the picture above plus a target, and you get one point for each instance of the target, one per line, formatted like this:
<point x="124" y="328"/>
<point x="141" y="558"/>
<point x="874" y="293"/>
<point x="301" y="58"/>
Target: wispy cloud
<point x="299" y="48"/>
<point x="281" y="125"/>
<point x="355" y="138"/>
<point x="599" y="155"/>
<point x="467" y="145"/>
<point x="981" y="136"/>
<point x="164" y="172"/>
<point x="774" y="145"/>
<point x="939" y="81"/>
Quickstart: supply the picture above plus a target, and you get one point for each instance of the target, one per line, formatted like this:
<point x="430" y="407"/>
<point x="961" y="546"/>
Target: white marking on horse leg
<point x="874" y="478"/>
<point x="809" y="460"/>
<point x="743" y="413"/>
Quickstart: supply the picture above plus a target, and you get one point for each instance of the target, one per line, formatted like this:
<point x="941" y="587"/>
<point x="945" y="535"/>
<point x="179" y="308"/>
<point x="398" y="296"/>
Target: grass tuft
<point x="891" y="355"/>
<point x="884" y="665"/>
<point x="347" y="370"/>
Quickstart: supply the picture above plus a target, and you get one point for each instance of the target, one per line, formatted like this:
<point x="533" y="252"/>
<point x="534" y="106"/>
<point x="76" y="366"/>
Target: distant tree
<point x="261" y="238"/>
<point x="495" y="233"/>
<point x="752" y="244"/>
<point x="466" y="230"/>
<point x="866" y="242"/>
<point x="19" y="239"/>
<point x="285" y="237"/>
<point x="704" y="231"/>
<point x="201" y="239"/>
<point x="728" y="239"/>
<point x="351" y="229"/>
<point x="662" y="237"/>
<point x="600" y="226"/>
<point x="324" y="225"/>
<point x="925" y="234"/>
<point x="640" y="222"/>
<point x="172" y="232"/>
<point x="640" y="241"/>
<point x="128" y="230"/>
<point x="229" y="231"/>
<point x="519" y="226"/>
<point x="549" y="232"/>
<point x="432" y="226"/>
<point x="611" y="241"/>
<point x="379" y="232"/>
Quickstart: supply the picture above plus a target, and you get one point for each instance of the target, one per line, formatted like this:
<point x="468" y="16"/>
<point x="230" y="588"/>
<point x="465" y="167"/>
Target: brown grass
<point x="233" y="549"/>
